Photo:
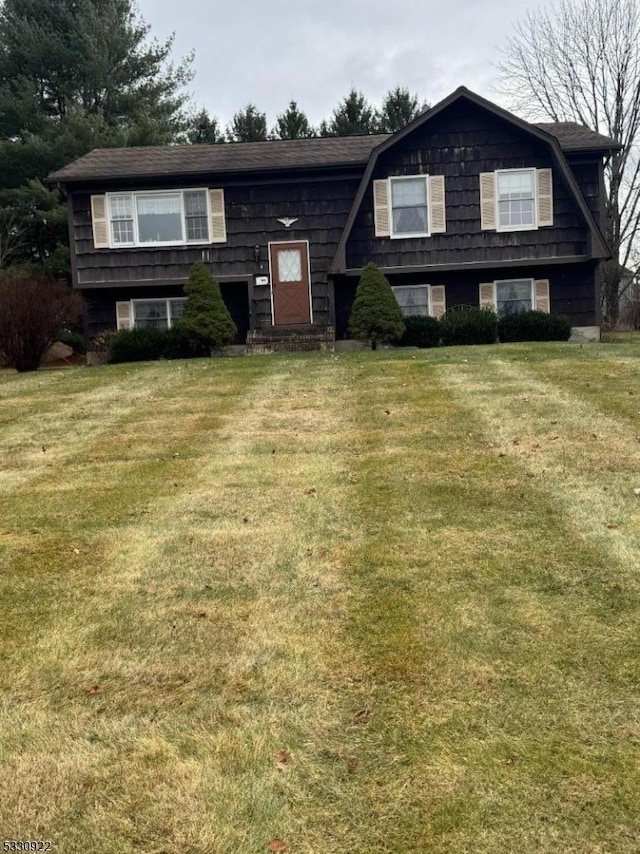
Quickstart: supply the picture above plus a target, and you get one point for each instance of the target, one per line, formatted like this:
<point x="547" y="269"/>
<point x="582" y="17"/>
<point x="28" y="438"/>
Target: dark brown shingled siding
<point x="587" y="174"/>
<point x="461" y="143"/>
<point x="252" y="219"/>
<point x="572" y="289"/>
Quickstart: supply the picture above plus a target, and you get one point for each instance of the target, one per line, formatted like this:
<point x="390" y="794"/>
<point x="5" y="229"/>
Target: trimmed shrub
<point x="206" y="321"/>
<point x="375" y="314"/>
<point x="420" y="331"/>
<point x="469" y="325"/>
<point x="534" y="326"/>
<point x="136" y="345"/>
<point x="147" y="344"/>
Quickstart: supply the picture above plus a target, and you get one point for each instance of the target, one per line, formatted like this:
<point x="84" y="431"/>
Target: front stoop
<point x="291" y="339"/>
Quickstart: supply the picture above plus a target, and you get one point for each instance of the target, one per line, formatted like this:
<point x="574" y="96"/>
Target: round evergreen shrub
<point x="375" y="314"/>
<point x="534" y="326"/>
<point x="469" y="325"/>
<point x="420" y="331"/>
<point x="206" y="321"/>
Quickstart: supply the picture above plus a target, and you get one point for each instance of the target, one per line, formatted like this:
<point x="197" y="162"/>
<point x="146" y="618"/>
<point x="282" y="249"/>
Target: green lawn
<point x="379" y="602"/>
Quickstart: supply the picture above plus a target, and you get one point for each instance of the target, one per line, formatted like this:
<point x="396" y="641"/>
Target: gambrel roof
<point x="276" y="155"/>
<point x="599" y="248"/>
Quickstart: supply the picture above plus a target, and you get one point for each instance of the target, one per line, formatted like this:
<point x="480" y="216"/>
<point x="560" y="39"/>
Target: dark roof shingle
<point x="322" y="152"/>
<point x="229" y="157"/>
<point x="575" y="137"/>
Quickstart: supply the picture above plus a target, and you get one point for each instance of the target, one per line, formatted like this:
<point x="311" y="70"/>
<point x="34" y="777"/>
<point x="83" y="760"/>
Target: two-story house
<point x="467" y="205"/>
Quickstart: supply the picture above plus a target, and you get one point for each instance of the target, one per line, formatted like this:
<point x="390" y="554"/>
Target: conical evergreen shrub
<point x="206" y="320"/>
<point x="375" y="314"/>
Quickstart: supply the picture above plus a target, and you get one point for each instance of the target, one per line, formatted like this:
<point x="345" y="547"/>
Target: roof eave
<point x="56" y="178"/>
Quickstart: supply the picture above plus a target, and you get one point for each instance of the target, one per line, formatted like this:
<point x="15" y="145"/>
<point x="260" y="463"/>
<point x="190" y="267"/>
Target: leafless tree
<point x="579" y="60"/>
<point x="12" y="240"/>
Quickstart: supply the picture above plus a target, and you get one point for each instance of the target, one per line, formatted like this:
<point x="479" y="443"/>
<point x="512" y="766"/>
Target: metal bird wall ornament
<point x="288" y="221"/>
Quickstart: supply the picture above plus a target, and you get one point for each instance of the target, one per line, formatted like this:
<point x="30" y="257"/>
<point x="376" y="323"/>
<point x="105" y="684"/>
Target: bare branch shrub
<point x="33" y="307"/>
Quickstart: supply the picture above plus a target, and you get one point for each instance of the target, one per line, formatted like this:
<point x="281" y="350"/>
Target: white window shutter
<point x="437" y="301"/>
<point x="488" y="295"/>
<point x="217" y="214"/>
<point x="381" y="208"/>
<point x="123" y="315"/>
<point x="545" y="196"/>
<point x="488" y="213"/>
<point x="542" y="300"/>
<point x="99" y="222"/>
<point x="437" y="206"/>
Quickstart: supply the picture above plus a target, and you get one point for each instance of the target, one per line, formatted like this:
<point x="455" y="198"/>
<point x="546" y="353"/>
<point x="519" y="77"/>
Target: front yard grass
<point x="379" y="602"/>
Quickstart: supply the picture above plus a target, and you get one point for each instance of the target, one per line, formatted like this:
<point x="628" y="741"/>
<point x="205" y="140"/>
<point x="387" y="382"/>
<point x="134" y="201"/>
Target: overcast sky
<point x="314" y="50"/>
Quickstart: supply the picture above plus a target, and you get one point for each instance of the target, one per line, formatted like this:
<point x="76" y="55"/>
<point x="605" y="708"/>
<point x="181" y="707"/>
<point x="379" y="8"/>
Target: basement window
<point x="413" y="300"/>
<point x="514" y="296"/>
<point x="157" y="313"/>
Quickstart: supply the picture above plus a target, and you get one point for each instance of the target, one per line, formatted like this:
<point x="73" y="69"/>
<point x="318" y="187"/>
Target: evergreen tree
<point x="375" y="314"/>
<point x="293" y="124"/>
<point x="248" y="125"/>
<point x="75" y="75"/>
<point x="399" y="108"/>
<point x="203" y="128"/>
<point x="354" y="115"/>
<point x="206" y="320"/>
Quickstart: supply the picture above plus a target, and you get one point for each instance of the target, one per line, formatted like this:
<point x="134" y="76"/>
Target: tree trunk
<point x="611" y="292"/>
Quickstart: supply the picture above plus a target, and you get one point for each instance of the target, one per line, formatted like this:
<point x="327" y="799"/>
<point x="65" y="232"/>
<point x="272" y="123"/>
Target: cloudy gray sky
<point x="315" y="50"/>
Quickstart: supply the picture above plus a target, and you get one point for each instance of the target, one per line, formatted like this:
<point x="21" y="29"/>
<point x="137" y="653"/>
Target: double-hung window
<point x="516" y="192"/>
<point x="409" y="207"/>
<point x="158" y="218"/>
<point x="516" y="199"/>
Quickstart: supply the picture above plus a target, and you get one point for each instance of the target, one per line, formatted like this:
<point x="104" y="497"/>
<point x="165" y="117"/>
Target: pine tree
<point x="203" y="128"/>
<point x="399" y="108"/>
<point x="375" y="314"/>
<point x="206" y="320"/>
<point x="75" y="75"/>
<point x="354" y="115"/>
<point x="248" y="125"/>
<point x="293" y="124"/>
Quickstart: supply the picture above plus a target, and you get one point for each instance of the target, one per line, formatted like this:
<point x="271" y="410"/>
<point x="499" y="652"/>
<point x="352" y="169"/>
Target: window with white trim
<point x="157" y="313"/>
<point x="516" y="197"/>
<point x="157" y="218"/>
<point x="514" y="296"/>
<point x="409" y="206"/>
<point x="412" y="299"/>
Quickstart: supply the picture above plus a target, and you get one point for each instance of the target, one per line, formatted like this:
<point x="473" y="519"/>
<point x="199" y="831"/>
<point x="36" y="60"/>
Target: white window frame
<point x="134" y="210"/>
<point x="393" y="178"/>
<point x="534" y="226"/>
<point x="509" y="281"/>
<point x="429" y="299"/>
<point x="167" y="300"/>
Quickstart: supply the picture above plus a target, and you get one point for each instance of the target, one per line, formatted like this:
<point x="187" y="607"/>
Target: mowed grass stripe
<point x="588" y="459"/>
<point x="231" y="586"/>
<point x="47" y="428"/>
<point x="339" y="563"/>
<point x="471" y="679"/>
<point x="50" y="527"/>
